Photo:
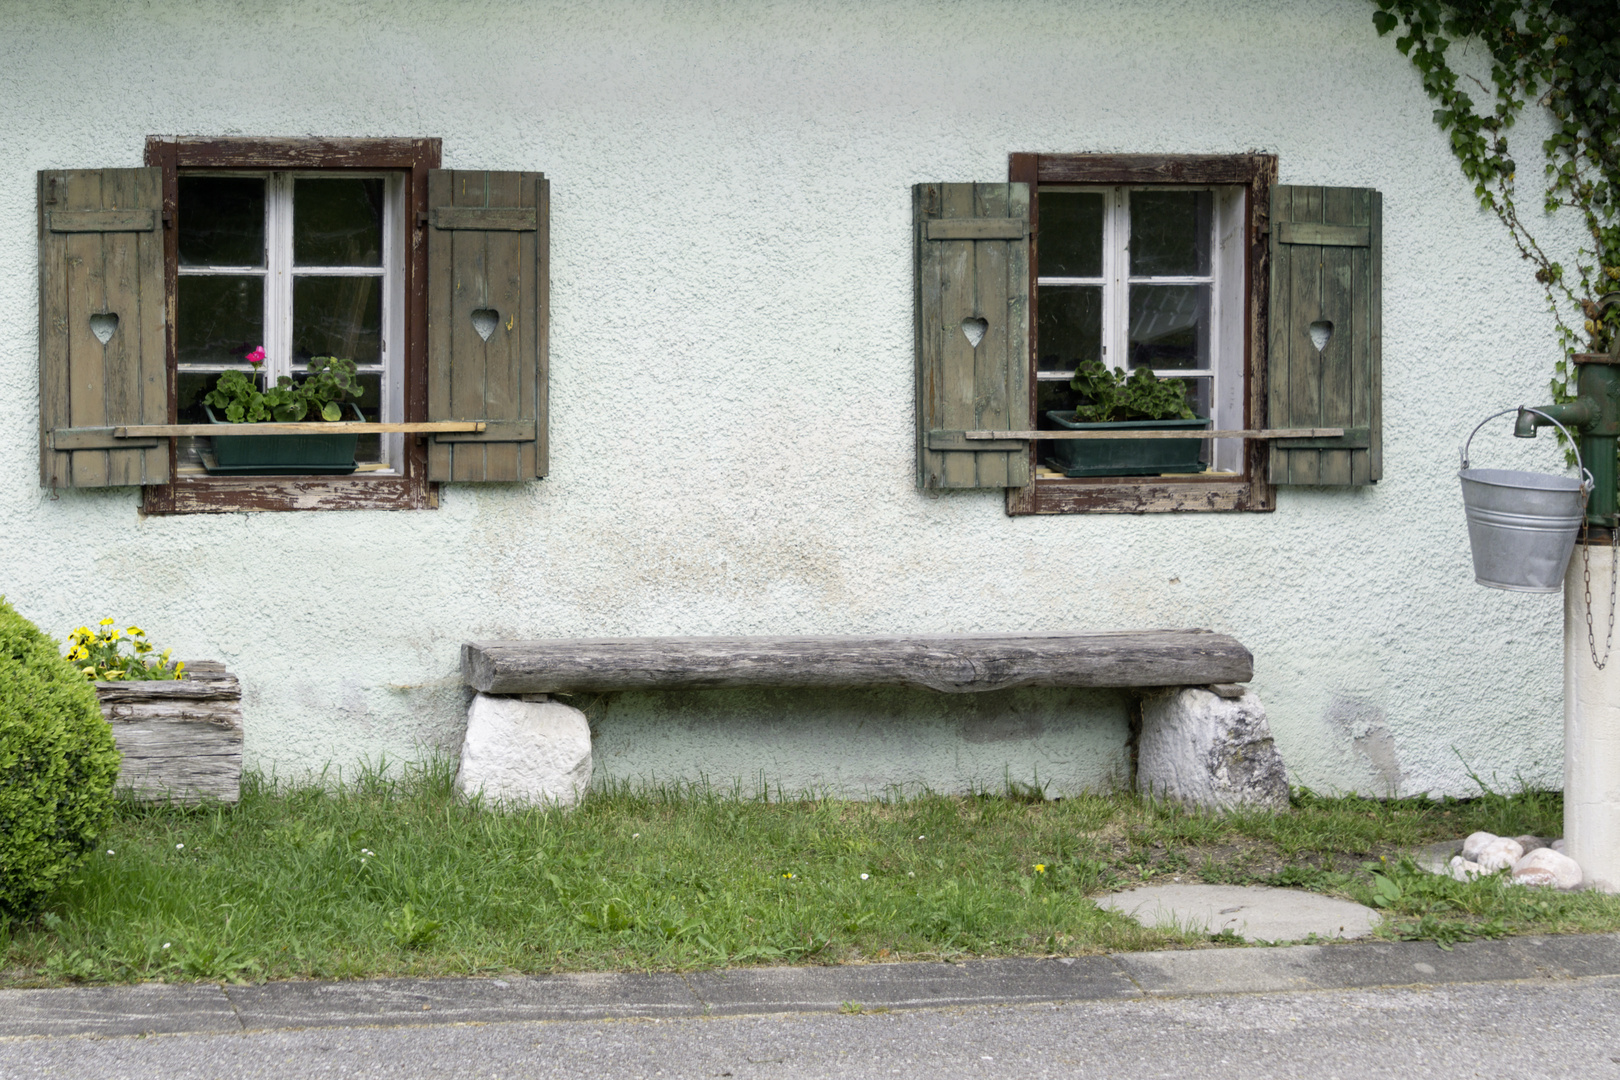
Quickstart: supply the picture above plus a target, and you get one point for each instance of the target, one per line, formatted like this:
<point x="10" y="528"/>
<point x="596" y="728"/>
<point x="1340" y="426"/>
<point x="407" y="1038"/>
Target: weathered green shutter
<point x="488" y="287"/>
<point x="972" y="267"/>
<point x="1324" y="366"/>
<point x="102" y="327"/>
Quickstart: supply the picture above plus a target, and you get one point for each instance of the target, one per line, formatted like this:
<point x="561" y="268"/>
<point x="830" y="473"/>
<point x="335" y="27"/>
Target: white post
<point x="1591" y="728"/>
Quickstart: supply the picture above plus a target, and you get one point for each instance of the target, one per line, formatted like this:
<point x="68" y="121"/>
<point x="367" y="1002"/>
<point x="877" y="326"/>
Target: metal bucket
<point x="1522" y="525"/>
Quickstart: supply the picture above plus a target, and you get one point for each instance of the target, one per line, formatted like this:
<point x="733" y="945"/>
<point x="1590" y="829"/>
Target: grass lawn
<point x="395" y="877"/>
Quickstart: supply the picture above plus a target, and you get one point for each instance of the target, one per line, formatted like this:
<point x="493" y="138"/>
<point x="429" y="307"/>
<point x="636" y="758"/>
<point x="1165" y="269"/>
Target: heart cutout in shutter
<point x="102" y="324"/>
<point x="1321" y="334"/>
<point x="975" y="329"/>
<point x="484" y="320"/>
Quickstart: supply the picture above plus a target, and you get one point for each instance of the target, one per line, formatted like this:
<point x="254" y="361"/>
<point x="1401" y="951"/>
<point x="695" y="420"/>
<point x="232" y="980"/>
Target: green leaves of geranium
<point x="1107" y="396"/>
<point x="321" y="392"/>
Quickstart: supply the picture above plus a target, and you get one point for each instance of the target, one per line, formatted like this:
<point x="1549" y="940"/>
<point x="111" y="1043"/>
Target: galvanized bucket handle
<point x="1586" y="485"/>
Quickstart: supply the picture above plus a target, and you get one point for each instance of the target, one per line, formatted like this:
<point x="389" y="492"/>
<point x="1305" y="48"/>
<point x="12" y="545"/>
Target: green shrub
<point x="57" y="765"/>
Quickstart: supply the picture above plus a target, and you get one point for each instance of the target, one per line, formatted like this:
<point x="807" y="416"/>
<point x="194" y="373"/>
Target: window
<point x="434" y="282"/>
<point x="1150" y="262"/>
<point x="301" y="264"/>
<point x="1263" y="298"/>
<point x="1143" y="277"/>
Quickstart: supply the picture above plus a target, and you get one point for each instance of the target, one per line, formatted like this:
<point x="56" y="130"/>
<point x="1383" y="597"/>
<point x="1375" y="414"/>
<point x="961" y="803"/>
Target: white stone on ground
<point x="1464" y="870"/>
<point x="1476" y="841"/>
<point x="1557" y="845"/>
<point x="1254" y="912"/>
<point x="1544" y="866"/>
<point x="1499" y="854"/>
<point x="528" y="753"/>
<point x="1209" y="752"/>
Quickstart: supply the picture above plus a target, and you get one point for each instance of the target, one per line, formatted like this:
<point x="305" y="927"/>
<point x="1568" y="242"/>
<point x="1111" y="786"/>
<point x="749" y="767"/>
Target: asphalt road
<point x="1544" y="1028"/>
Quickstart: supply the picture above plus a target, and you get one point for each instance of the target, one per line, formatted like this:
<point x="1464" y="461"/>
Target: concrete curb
<point x="158" y="1008"/>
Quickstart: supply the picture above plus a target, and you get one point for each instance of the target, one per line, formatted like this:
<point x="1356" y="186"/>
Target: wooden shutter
<point x="488" y="287"/>
<point x="102" y="327"/>
<point x="972" y="270"/>
<point x="1326" y="254"/>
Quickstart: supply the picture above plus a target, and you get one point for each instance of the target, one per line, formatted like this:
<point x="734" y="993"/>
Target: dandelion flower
<point x="1040" y="868"/>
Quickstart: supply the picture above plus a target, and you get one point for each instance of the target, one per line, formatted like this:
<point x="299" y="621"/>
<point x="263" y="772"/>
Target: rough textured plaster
<point x="731" y="367"/>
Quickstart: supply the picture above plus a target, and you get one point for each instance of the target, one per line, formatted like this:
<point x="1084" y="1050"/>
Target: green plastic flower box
<point x="283" y="455"/>
<point x="1125" y="457"/>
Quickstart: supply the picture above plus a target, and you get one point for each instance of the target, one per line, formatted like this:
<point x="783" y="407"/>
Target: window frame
<point x="407" y="489"/>
<point x="1251" y="488"/>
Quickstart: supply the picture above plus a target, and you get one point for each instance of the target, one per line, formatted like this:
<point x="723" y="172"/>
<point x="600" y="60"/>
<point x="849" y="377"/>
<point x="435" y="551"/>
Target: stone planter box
<point x="181" y="740"/>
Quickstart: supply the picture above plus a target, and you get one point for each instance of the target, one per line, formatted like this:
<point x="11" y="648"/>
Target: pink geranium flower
<point x="256" y="357"/>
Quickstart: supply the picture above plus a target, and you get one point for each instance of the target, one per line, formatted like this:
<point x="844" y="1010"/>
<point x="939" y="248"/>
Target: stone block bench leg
<point x="1209" y="751"/>
<point x="525" y="753"/>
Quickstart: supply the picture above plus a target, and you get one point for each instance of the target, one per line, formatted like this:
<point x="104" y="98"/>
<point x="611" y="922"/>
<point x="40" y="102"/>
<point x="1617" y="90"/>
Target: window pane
<point x="1071" y="234"/>
<point x="220" y="319"/>
<point x="1068" y="326"/>
<point x="337" y="222"/>
<point x="369" y="448"/>
<point x="221" y="221"/>
<point x="337" y="316"/>
<point x="190" y="386"/>
<point x="1169" y="326"/>
<point x="1170" y="233"/>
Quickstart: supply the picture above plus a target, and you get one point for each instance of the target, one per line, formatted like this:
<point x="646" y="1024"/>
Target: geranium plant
<point x="1107" y="396"/>
<point x="322" y="391"/>
<point x="99" y="654"/>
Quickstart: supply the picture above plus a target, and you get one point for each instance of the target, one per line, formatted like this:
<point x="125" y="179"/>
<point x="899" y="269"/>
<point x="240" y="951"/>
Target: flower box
<point x="1125" y="457"/>
<point x="182" y="738"/>
<point x="282" y="455"/>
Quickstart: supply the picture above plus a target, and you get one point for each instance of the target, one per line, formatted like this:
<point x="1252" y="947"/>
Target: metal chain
<point x="1614" y="575"/>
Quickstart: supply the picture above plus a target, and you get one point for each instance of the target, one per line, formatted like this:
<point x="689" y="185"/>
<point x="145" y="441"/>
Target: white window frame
<point x="279" y="271"/>
<point x="1225" y="373"/>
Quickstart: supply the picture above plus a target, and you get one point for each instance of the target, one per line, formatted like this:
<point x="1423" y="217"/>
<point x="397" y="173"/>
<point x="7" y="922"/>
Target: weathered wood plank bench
<point x="951" y="663"/>
<point x="541" y="752"/>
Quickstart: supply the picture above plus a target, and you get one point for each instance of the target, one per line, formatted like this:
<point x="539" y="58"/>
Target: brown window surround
<point x="1250" y="490"/>
<point x="216" y="494"/>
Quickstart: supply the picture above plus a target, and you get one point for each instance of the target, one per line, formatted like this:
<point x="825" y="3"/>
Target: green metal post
<point x="1595" y="416"/>
<point x="1599" y="383"/>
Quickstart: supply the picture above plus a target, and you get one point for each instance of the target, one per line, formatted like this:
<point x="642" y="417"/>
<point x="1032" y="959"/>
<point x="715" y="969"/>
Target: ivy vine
<point x="1564" y="55"/>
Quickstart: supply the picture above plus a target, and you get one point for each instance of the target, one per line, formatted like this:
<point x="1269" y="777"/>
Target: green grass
<point x="393" y="876"/>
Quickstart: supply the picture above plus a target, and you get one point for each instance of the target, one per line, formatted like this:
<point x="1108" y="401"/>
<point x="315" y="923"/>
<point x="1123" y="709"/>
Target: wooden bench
<point x="950" y="663"/>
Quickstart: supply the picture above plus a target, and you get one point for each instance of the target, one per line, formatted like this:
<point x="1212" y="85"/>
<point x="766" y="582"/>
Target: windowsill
<point x="1170" y="493"/>
<point x="203" y="494"/>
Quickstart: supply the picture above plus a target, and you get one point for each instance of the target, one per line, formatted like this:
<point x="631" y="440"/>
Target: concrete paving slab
<point x="151" y="1008"/>
<point x="203" y="1008"/>
<point x="1394" y="963"/>
<point x="1254" y="912"/>
<point x="911" y="986"/>
<point x="589" y="996"/>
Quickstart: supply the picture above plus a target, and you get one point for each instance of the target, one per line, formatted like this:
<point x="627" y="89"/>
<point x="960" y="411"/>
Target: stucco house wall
<point x="731" y="383"/>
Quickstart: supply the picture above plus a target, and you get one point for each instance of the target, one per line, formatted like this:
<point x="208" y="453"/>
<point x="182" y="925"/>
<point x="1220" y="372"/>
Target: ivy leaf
<point x="1384" y="22"/>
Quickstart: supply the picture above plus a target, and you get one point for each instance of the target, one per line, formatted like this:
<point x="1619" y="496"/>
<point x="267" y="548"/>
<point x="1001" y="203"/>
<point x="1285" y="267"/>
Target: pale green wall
<point x="731" y="377"/>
